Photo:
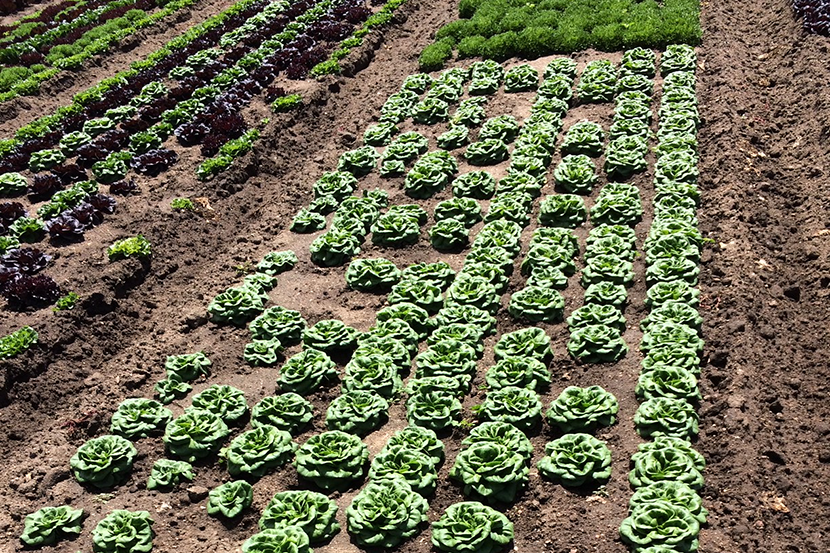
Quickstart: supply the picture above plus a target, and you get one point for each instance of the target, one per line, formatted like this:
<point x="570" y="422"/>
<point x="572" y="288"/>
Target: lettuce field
<point x="415" y="276"/>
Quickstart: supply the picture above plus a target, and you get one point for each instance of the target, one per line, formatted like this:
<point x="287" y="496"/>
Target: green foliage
<point x="501" y="433"/>
<point x="195" y="434"/>
<point x="257" y="451"/>
<point x="473" y="290"/>
<point x="502" y="127"/>
<point x="663" y="462"/>
<point x="523" y="372"/>
<point x="380" y="134"/>
<point x="430" y="111"/>
<point x="678" y="57"/>
<point x="470" y="112"/>
<point x="598" y="82"/>
<point x="287" y="103"/>
<point x="230" y="499"/>
<point x="491" y="471"/>
<point x="666" y="381"/>
<point x="469" y="334"/>
<point x="671" y="334"/>
<point x="135" y="246"/>
<point x="414" y="466"/>
<point x="338" y="184"/>
<point x="8" y="243"/>
<point x="597" y="343"/>
<point x="43" y="160"/>
<point x="449" y="235"/>
<point x="27" y="229"/>
<point x="283" y="539"/>
<point x="661" y="524"/>
<point x="465" y="210"/>
<point x="171" y="388"/>
<point x="122" y="531"/>
<point x="285" y="325"/>
<point x="530" y="342"/>
<point x="312" y="512"/>
<point x="663" y="416"/>
<point x="223" y="400"/>
<point x="486" y="152"/>
<point x="417" y="438"/>
<point x="288" y="412"/>
<point x="375" y="372"/>
<point x="430" y="174"/>
<point x="454" y="138"/>
<point x="584" y="137"/>
<point x="609" y="268"/>
<point x="520" y="407"/>
<point x="596" y="314"/>
<point x="103" y="462"/>
<point x="12" y="184"/>
<point x="446" y="358"/>
<point x="333" y="248"/>
<point x="167" y="474"/>
<point x="672" y="291"/>
<point x="112" y="169"/>
<point x="575" y="174"/>
<point x="422" y="293"/>
<point x="332" y="460"/>
<point x="670" y="491"/>
<point x="357" y="411"/>
<point x="385" y="513"/>
<point x="139" y="418"/>
<point x="49" y="525"/>
<point x="468" y="314"/>
<point x="471" y="526"/>
<point x="416" y="317"/>
<point x="17" y="342"/>
<point x="436" y="54"/>
<point x="433" y="410"/>
<point x="307" y="221"/>
<point x="673" y="356"/>
<point x="562" y="210"/>
<point x="275" y="263"/>
<point x="537" y="304"/>
<point x="330" y="335"/>
<point x="576" y="459"/>
<point x="479" y="185"/>
<point x="262" y="353"/>
<point x="358" y="162"/>
<point x="582" y="409"/>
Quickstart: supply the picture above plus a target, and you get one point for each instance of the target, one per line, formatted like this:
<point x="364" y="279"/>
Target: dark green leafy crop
<point x="422" y="293"/>
<point x="598" y="82"/>
<point x="167" y="474"/>
<point x="481" y="319"/>
<point x="375" y="372"/>
<point x="466" y="210"/>
<point x="289" y="412"/>
<point x="559" y="87"/>
<point x="584" y="137"/>
<point x="195" y="434"/>
<point x="139" y="418"/>
<point x="597" y="343"/>
<point x="469" y="334"/>
<point x="430" y="174"/>
<point x="237" y="306"/>
<point x="282" y="539"/>
<point x="44" y="160"/>
<point x="13" y="184"/>
<point x="312" y="512"/>
<point x="606" y="293"/>
<point x="582" y="409"/>
<point x="499" y="258"/>
<point x="226" y="401"/>
<point x="395" y="230"/>
<point x="334" y="247"/>
<point x="670" y="491"/>
<point x="672" y="356"/>
<point x="263" y="353"/>
<point x="596" y="314"/>
<point x="562" y="210"/>
<point x="610" y="245"/>
<point x="674" y="290"/>
<point x="449" y="235"/>
<point x="332" y="460"/>
<point x="502" y="433"/>
<point x="501" y="127"/>
<point x="521" y="78"/>
<point x="230" y="499"/>
<point x="257" y="451"/>
<point x="665" y="463"/>
<point x="279" y="323"/>
<point x="122" y="531"/>
<point x="664" y="416"/>
<point x="673" y="312"/>
<point x="103" y="462"/>
<point x="575" y="174"/>
<point x="275" y="263"/>
<point x="430" y="111"/>
<point x="380" y="134"/>
<point x="307" y="221"/>
<point x="385" y="513"/>
<point x="576" y="459"/>
<point x="486" y="152"/>
<point x="414" y="466"/>
<point x="473" y="290"/>
<point x="607" y="268"/>
<point x="358" y="162"/>
<point x="537" y="304"/>
<point x="671" y="334"/>
<point x="661" y="524"/>
<point x="471" y="526"/>
<point x="416" y="317"/>
<point x="491" y="471"/>
<point x="372" y="274"/>
<point x="49" y="525"/>
<point x="434" y="410"/>
<point x="330" y="335"/>
<point x="523" y="372"/>
<point x="520" y="407"/>
<point x="357" y="411"/>
<point x="339" y="184"/>
<point x="188" y="366"/>
<point x="671" y="382"/>
<point x="527" y="342"/>
<point x="417" y="438"/>
<point x="454" y="138"/>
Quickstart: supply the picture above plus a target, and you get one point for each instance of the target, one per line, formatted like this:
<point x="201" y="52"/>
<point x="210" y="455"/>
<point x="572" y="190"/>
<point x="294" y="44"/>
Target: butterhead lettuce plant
<point x="49" y="525"/>
<point x="332" y="460"/>
<point x="312" y="512"/>
<point x="470" y="526"/>
<point x="103" y="462"/>
<point x="385" y="513"/>
<point x="122" y="531"/>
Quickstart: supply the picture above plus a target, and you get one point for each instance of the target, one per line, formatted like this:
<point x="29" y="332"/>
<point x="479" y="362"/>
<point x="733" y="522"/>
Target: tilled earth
<point x="765" y="282"/>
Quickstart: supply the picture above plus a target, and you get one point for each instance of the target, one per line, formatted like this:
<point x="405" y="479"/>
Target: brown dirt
<point x="765" y="283"/>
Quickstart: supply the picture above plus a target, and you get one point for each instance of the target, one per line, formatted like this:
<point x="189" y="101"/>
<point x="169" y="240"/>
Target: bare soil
<point x="766" y="274"/>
